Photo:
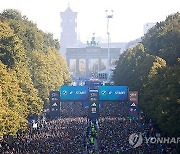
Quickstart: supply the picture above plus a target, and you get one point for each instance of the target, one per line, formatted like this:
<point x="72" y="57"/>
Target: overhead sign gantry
<point x="93" y="97"/>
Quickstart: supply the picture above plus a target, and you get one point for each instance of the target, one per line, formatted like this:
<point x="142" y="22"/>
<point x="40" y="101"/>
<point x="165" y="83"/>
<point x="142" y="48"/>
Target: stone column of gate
<point x="99" y="64"/>
<point x="68" y="62"/>
<point x="87" y="73"/>
<point x="77" y="67"/>
<point x="110" y="59"/>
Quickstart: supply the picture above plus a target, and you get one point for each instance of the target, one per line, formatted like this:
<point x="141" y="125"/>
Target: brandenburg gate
<point x="92" y="51"/>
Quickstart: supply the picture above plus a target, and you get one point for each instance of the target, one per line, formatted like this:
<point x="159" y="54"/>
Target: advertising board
<point x="113" y="93"/>
<point x="133" y="97"/>
<point x="74" y="93"/>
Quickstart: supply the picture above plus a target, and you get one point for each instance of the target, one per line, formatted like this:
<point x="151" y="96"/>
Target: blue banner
<point x="113" y="93"/>
<point x="74" y="93"/>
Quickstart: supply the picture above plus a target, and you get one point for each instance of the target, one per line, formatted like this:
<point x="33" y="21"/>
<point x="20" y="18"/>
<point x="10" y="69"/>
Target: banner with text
<point x="74" y="93"/>
<point x="113" y="93"/>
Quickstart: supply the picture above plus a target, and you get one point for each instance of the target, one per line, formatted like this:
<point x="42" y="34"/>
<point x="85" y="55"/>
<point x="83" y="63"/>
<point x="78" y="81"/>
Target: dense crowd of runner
<point x="53" y="137"/>
<point x="116" y="128"/>
<point x="68" y="134"/>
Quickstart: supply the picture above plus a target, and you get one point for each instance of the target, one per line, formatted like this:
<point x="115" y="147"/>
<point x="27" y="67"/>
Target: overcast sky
<point x="127" y="23"/>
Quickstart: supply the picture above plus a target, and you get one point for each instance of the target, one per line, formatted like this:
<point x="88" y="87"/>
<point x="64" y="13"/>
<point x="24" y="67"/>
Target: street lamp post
<point x="108" y="16"/>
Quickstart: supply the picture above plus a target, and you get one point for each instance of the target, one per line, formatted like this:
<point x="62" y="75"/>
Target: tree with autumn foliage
<point x="30" y="67"/>
<point x="152" y="68"/>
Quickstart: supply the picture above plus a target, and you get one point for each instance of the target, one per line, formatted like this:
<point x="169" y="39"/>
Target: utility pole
<point x="108" y="16"/>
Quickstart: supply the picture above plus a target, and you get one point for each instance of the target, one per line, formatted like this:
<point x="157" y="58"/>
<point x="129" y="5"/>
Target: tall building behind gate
<point x="68" y="30"/>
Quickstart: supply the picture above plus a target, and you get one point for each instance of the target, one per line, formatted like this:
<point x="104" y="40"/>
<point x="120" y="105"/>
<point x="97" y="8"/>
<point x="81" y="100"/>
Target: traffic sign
<point x="113" y="93"/>
<point x="74" y="93"/>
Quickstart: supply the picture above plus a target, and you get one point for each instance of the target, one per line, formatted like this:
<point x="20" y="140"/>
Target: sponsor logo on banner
<point x="113" y="93"/>
<point x="133" y="97"/>
<point x="54" y="96"/>
<point x="93" y="112"/>
<point x="74" y="93"/>
<point x="54" y="104"/>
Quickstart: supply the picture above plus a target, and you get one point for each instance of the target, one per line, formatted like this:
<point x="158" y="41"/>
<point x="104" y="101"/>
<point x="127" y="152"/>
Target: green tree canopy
<point x="30" y="67"/>
<point x="152" y="68"/>
<point x="13" y="106"/>
<point x="161" y="101"/>
<point x="134" y="66"/>
<point x="48" y="70"/>
<point x="163" y="39"/>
